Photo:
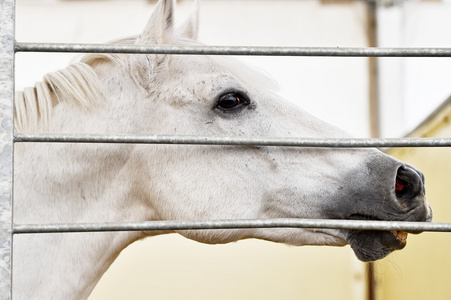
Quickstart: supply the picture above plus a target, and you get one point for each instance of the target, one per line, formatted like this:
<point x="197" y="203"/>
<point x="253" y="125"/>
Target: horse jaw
<point x="303" y="237"/>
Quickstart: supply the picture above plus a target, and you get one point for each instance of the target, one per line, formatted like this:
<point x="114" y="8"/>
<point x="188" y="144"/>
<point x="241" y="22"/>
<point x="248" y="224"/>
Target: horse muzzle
<point x="405" y="201"/>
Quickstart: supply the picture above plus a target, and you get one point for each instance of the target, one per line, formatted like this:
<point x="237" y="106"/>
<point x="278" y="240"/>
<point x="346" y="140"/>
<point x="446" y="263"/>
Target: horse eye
<point x="231" y="102"/>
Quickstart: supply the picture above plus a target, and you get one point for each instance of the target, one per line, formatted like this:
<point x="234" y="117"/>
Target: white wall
<point x="411" y="88"/>
<point x="334" y="89"/>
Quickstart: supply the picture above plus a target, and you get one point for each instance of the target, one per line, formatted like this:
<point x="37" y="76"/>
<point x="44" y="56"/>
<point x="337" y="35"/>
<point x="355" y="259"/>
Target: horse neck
<point x="73" y="188"/>
<point x="80" y="182"/>
<point x="63" y="266"/>
<point x="76" y="183"/>
<point x="73" y="183"/>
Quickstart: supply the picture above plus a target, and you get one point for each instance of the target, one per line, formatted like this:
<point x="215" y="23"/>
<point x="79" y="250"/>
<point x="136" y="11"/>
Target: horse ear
<point x="159" y="28"/>
<point x="189" y="28"/>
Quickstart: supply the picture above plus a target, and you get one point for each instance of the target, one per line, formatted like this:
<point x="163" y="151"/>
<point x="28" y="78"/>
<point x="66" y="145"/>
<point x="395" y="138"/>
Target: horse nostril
<point x="408" y="184"/>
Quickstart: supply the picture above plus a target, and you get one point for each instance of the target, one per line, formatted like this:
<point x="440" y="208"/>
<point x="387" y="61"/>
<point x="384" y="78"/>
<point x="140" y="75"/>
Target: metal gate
<point x="8" y="47"/>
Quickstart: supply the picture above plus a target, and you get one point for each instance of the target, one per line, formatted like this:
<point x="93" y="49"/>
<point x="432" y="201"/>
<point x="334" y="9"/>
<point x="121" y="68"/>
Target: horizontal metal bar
<point x="233" y="50"/>
<point x="255" y="141"/>
<point x="233" y="224"/>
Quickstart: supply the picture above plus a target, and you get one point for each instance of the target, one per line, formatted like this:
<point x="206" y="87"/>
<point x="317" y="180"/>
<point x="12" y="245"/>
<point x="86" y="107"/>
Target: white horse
<point x="184" y="95"/>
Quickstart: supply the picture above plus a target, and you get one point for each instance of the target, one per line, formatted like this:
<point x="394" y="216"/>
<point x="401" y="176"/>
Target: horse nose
<point x="409" y="185"/>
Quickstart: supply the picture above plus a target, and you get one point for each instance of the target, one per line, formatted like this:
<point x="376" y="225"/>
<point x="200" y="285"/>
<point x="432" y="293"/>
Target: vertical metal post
<point x="374" y="110"/>
<point x="7" y="11"/>
<point x="374" y="102"/>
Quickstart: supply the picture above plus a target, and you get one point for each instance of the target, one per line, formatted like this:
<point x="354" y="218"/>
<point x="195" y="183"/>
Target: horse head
<point x="214" y="96"/>
<point x="186" y="95"/>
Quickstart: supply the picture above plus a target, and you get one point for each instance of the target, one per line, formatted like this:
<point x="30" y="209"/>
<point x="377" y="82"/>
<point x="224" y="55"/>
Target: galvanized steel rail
<point x="6" y="146"/>
<point x="7" y="49"/>
<point x="237" y="141"/>
<point x="256" y="141"/>
<point x="233" y="50"/>
<point x="234" y="224"/>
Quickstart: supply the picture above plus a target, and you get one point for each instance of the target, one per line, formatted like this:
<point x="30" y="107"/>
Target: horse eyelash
<point x="242" y="95"/>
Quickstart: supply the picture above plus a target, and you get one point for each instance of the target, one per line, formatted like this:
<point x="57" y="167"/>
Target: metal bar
<point x="7" y="10"/>
<point x="374" y="114"/>
<point x="233" y="50"/>
<point x="234" y="224"/>
<point x="256" y="141"/>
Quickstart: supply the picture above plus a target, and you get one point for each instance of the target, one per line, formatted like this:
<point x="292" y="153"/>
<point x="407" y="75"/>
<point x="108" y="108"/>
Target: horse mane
<point x="77" y="84"/>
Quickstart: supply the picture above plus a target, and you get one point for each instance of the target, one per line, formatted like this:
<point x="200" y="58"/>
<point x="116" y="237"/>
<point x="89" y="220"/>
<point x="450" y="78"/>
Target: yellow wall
<point x="172" y="267"/>
<point x="423" y="269"/>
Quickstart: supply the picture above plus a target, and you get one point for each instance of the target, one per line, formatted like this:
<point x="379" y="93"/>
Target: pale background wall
<point x="421" y="270"/>
<point x="308" y="81"/>
<point x="334" y="89"/>
<point x="411" y="88"/>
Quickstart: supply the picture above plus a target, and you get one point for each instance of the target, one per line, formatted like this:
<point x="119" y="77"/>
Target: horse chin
<point x="373" y="245"/>
<point x="303" y="237"/>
